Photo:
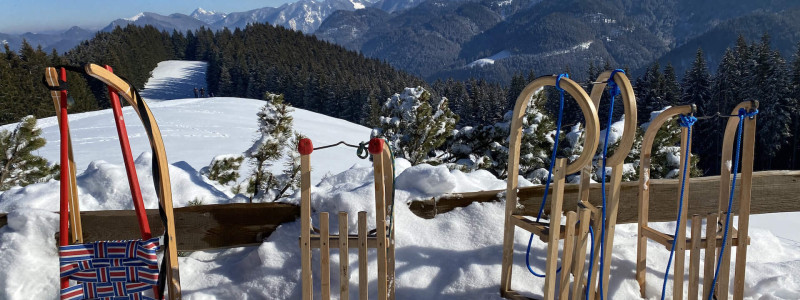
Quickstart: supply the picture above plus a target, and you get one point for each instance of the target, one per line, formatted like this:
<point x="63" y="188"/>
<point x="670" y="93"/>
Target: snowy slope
<point x="453" y="256"/>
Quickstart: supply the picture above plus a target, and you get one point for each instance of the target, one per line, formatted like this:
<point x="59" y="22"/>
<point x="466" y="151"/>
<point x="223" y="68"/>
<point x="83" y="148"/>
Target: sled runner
<point x="114" y="268"/>
<point x="382" y="241"/>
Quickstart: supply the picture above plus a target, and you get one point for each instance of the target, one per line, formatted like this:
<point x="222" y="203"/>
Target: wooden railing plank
<point x="198" y="227"/>
<point x="773" y="192"/>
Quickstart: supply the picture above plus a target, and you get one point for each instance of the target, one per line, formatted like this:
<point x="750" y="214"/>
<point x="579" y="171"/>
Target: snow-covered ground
<point x="453" y="256"/>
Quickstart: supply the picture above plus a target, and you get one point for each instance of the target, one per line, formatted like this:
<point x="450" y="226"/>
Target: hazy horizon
<point x="47" y="16"/>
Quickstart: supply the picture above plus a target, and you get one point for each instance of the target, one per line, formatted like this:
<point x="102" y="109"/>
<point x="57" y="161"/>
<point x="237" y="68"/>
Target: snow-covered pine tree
<point x="415" y="124"/>
<point x="275" y="128"/>
<point x="486" y="147"/>
<point x="18" y="165"/>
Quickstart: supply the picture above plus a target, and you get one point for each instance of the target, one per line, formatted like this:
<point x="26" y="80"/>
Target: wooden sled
<point x="696" y="242"/>
<point x="322" y="239"/>
<point x="514" y="219"/>
<point x="69" y="205"/>
<point x="616" y="163"/>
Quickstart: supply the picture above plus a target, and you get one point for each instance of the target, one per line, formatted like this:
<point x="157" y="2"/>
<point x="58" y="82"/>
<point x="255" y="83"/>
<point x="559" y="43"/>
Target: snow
<point x="135" y="18"/>
<point x="357" y="5"/>
<point x="490" y="60"/>
<point x="582" y="46"/>
<point x="456" y="255"/>
<point x="617" y="130"/>
<point x="175" y="79"/>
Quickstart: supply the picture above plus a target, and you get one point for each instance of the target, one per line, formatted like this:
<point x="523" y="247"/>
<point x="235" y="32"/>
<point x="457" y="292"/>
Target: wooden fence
<point x="235" y="225"/>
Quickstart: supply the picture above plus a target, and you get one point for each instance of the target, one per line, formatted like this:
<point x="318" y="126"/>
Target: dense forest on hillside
<point x="312" y="74"/>
<point x="326" y="78"/>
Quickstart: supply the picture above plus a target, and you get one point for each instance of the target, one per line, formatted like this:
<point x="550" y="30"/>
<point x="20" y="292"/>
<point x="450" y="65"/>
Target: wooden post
<point x="388" y="183"/>
<point x="745" y="191"/>
<point x="380" y="224"/>
<point x="325" y="255"/>
<point x="680" y="238"/>
<point x="711" y="253"/>
<point x="694" y="257"/>
<point x="580" y="254"/>
<point x="305" y="227"/>
<point x="556" y="202"/>
<point x="567" y="256"/>
<point x="363" y="280"/>
<point x="344" y="258"/>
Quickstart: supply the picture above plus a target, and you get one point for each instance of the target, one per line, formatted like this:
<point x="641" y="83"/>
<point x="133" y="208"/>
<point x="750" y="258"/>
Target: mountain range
<point x="494" y="39"/>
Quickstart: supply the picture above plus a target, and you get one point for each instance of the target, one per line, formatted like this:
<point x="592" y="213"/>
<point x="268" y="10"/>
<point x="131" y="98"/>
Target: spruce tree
<point x="275" y="128"/>
<point x="18" y="165"/>
<point x="795" y="87"/>
<point x="415" y="124"/>
<point x="697" y="90"/>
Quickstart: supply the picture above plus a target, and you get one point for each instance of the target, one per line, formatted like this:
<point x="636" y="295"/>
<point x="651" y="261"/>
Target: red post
<point x="65" y="181"/>
<point x="130" y="167"/>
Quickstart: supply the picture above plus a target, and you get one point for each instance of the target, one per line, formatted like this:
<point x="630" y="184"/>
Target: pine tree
<point x="771" y="85"/>
<point x="275" y="127"/>
<point x="672" y="90"/>
<point x="697" y="90"/>
<point x="18" y="165"/>
<point x="795" y="143"/>
<point x="415" y="124"/>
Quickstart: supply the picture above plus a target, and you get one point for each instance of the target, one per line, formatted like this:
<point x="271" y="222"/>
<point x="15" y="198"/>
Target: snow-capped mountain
<point x="303" y="15"/>
<point x="178" y="22"/>
<point x="207" y="16"/>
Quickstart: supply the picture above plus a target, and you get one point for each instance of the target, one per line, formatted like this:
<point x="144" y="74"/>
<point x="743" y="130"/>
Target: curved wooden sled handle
<point x="629" y="104"/>
<point x="589" y="114"/>
<point x="163" y="189"/>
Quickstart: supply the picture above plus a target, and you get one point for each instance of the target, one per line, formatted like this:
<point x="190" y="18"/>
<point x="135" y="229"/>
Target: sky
<point x="20" y="16"/>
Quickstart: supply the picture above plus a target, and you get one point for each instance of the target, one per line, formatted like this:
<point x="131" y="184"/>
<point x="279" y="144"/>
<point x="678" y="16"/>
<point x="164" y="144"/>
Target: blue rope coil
<point x="742" y="114"/>
<point x="549" y="172"/>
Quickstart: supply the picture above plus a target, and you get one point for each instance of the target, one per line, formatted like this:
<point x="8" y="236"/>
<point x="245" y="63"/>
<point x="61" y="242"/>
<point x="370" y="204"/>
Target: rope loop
<point x="613" y="87"/>
<point x="558" y="83"/>
<point x="362" y="150"/>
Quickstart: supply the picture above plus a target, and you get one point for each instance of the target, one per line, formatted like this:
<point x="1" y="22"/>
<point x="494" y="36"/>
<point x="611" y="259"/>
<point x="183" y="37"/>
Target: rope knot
<point x="558" y="81"/>
<point x="686" y="121"/>
<point x="743" y="113"/>
<point x="613" y="87"/>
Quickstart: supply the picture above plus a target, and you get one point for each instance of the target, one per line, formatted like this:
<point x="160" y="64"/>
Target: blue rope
<point x="742" y="114"/>
<point x="685" y="121"/>
<point x="549" y="173"/>
<point x="613" y="91"/>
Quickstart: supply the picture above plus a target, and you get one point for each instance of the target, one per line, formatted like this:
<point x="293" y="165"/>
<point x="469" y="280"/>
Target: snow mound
<point x="426" y="179"/>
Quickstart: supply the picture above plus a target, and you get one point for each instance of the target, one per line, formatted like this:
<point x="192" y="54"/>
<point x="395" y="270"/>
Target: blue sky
<point x="19" y="16"/>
